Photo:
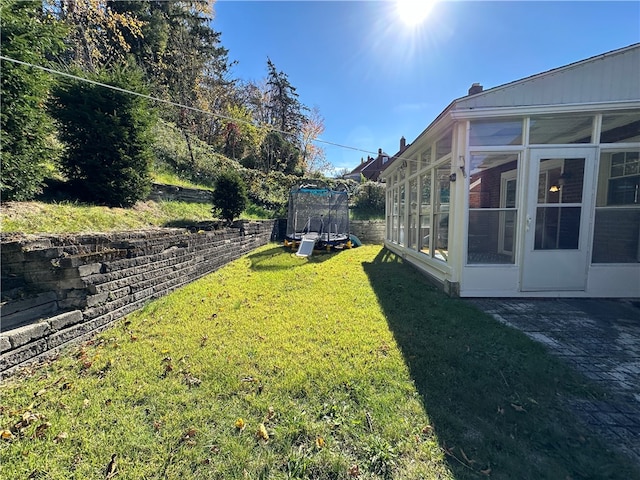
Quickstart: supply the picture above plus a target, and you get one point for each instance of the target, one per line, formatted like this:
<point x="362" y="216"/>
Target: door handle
<point x="528" y="222"/>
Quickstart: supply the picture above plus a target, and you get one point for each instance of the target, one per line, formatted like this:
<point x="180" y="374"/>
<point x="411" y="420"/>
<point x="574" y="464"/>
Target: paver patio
<point x="599" y="338"/>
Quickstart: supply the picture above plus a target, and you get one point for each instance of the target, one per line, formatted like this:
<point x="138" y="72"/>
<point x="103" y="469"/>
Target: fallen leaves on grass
<point x="111" y="469"/>
<point x="262" y="433"/>
<point x="41" y="429"/>
<point x="187" y="437"/>
<point x="427" y="429"/>
<point x="240" y="425"/>
<point x="191" y="381"/>
<point x="270" y="415"/>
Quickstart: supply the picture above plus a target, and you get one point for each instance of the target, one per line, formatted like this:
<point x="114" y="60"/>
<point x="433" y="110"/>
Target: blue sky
<point x="374" y="78"/>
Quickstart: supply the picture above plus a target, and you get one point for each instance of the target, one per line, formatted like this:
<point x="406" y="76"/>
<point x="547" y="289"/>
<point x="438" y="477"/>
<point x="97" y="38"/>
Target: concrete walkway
<point x="601" y="339"/>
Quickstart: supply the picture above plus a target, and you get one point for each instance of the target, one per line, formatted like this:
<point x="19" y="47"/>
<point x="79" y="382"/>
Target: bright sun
<point x="413" y="12"/>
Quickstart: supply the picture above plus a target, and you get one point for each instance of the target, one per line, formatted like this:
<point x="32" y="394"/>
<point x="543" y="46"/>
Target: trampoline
<point x="318" y="218"/>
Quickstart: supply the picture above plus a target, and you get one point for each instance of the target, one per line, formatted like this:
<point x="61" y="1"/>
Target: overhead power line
<point x="169" y="102"/>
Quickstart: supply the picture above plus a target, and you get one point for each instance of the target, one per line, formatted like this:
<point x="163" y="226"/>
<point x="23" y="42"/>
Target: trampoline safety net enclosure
<point x="318" y="218"/>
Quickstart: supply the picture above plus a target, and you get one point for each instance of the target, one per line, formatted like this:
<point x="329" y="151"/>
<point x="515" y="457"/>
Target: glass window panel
<point x="426" y="158"/>
<point x="560" y="130"/>
<point x="493" y="187"/>
<point x="425" y="212"/>
<point x="619" y="178"/>
<point x="557" y="228"/>
<point x="486" y="177"/>
<point x="441" y="236"/>
<point x="395" y="201"/>
<point x="620" y="127"/>
<point x="617" y="170"/>
<point x="491" y="237"/>
<point x="561" y="180"/>
<point x="401" y="237"/>
<point x="443" y="145"/>
<point x="503" y="132"/>
<point x="616" y="235"/>
<point x="394" y="229"/>
<point x="425" y="231"/>
<point x="413" y="214"/>
<point x="441" y="212"/>
<point x="510" y="193"/>
<point x="624" y="191"/>
<point x="443" y="187"/>
<point x="413" y="165"/>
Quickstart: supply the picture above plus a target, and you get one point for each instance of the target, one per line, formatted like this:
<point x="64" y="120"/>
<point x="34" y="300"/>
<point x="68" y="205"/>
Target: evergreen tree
<point x="108" y="137"/>
<point x="286" y="116"/>
<point x="230" y="195"/>
<point x="286" y="111"/>
<point x="31" y="36"/>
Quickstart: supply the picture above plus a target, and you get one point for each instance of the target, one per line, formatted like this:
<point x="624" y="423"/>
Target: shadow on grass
<point x="496" y="400"/>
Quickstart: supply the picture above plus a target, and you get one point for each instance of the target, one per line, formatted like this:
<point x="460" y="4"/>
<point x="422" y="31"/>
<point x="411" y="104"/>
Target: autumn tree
<point x="183" y="59"/>
<point x="279" y="154"/>
<point x="99" y="36"/>
<point x="314" y="160"/>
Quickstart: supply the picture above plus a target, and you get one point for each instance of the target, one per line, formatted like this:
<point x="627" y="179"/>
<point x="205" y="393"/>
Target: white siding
<point x="611" y="77"/>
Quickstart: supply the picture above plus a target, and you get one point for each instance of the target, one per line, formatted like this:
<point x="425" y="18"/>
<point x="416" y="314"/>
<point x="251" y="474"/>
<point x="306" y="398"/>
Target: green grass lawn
<point x="340" y="366"/>
<point x="75" y="217"/>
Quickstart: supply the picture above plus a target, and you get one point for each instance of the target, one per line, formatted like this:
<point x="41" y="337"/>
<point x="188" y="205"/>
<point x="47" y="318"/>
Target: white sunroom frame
<point x="506" y="280"/>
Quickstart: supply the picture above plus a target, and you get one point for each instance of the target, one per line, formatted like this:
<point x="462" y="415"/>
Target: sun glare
<point x="414" y="12"/>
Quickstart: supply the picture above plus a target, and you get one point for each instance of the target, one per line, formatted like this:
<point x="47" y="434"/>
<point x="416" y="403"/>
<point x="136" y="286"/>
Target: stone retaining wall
<point x="161" y="192"/>
<point x="368" y="231"/>
<point x="72" y="286"/>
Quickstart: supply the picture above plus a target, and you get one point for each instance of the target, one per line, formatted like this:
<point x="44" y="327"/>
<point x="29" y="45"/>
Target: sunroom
<point x="530" y="189"/>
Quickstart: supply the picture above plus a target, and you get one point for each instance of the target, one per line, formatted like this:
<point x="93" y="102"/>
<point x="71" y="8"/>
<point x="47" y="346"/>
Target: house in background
<point x="372" y="168"/>
<point x="528" y="189"/>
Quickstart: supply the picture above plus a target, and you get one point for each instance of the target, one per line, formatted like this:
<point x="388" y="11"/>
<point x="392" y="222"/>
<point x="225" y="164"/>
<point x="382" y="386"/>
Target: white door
<point x="559" y="202"/>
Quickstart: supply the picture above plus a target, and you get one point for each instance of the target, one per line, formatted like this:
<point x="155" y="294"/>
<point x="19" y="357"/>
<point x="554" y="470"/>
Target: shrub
<point x="108" y="140"/>
<point x="369" y="196"/>
<point x="27" y="130"/>
<point x="230" y="195"/>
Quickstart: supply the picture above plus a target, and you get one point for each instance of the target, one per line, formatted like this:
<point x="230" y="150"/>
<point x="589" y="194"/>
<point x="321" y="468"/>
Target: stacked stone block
<point x="76" y="285"/>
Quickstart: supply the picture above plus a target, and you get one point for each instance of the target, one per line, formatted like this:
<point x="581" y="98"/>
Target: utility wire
<point x="169" y="102"/>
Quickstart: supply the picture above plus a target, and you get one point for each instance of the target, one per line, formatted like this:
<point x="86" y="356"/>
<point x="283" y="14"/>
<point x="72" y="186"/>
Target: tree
<point x="240" y="139"/>
<point x="230" y="195"/>
<point x="99" y="36"/>
<point x="314" y="161"/>
<point x="280" y="155"/>
<point x="285" y="110"/>
<point x="370" y="197"/>
<point x="182" y="58"/>
<point x="108" y="137"/>
<point x="28" y="35"/>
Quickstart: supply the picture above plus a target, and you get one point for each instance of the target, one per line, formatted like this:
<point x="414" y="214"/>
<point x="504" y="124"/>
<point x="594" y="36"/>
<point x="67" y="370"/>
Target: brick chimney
<point x="475" y="88"/>
<point x="403" y="144"/>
